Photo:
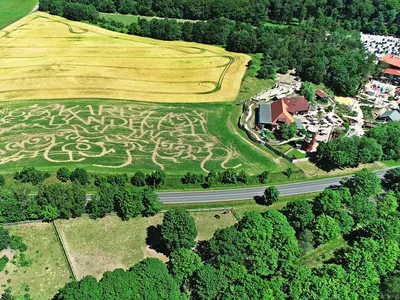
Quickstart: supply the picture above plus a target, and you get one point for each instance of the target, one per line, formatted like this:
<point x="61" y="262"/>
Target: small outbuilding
<point x="390" y="115"/>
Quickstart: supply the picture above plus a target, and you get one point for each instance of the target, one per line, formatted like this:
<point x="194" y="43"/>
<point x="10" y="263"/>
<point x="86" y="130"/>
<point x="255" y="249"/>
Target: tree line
<point x="68" y="199"/>
<point x="320" y="50"/>
<point x="262" y="256"/>
<point x="381" y="142"/>
<point x="370" y="16"/>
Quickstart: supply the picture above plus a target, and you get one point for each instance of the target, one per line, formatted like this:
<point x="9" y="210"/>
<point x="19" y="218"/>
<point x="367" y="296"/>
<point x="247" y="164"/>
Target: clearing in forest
<point x="96" y="246"/>
<point x="48" y="57"/>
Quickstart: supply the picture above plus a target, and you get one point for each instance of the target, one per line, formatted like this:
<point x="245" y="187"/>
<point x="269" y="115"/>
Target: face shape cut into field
<point x="132" y="135"/>
<point x="48" y="57"/>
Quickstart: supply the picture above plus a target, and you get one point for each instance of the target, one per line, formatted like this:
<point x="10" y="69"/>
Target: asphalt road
<point x="249" y="193"/>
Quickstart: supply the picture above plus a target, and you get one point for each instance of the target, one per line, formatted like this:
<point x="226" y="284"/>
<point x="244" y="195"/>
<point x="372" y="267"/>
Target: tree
<point x="271" y="195"/>
<point x="326" y="229"/>
<point x="391" y="288"/>
<point x="178" y="229"/>
<point x="299" y="215"/>
<point x="63" y="174"/>
<point x="308" y="91"/>
<point x="80" y="175"/>
<point x="392" y="179"/>
<point x="243" y="41"/>
<point x="154" y="281"/>
<point x="243" y="177"/>
<point x="4" y="238"/>
<point x="156" y="179"/>
<point x="387" y="203"/>
<point x="286" y="131"/>
<point x="212" y="178"/>
<point x="182" y="264"/>
<point x="263" y="177"/>
<point x="208" y="283"/>
<point x="364" y="183"/>
<point x="130" y="204"/>
<point x="2" y="180"/>
<point x="151" y="202"/>
<point x="328" y="202"/>
<point x="228" y="176"/>
<point x="50" y="213"/>
<point x="138" y="179"/>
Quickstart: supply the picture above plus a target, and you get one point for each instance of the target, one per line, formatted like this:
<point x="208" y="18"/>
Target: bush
<point x="63" y="174"/>
<point x="80" y="175"/>
<point x="228" y="176"/>
<point x="4" y="238"/>
<point x="17" y="243"/>
<point x="263" y="177"/>
<point x="192" y="178"/>
<point x="3" y="262"/>
<point x="243" y="177"/>
<point x="2" y="180"/>
<point x="156" y="179"/>
<point x="119" y="179"/>
<point x="139" y="179"/>
<point x="31" y="175"/>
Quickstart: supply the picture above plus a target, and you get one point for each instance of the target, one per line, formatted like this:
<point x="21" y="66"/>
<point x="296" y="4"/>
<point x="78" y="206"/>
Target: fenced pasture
<point x="48" y="271"/>
<point x="96" y="246"/>
<point x="48" y="57"/>
<point x="122" y="136"/>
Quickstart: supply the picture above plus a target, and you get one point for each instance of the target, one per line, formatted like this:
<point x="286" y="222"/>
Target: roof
<point x="390" y="71"/>
<point x="321" y="94"/>
<point x="279" y="113"/>
<point x="264" y="113"/>
<point x="392" y="115"/>
<point x="296" y="104"/>
<point x="391" y="60"/>
<point x="299" y="124"/>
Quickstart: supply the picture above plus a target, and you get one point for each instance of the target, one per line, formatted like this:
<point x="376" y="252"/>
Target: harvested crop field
<point x="48" y="57"/>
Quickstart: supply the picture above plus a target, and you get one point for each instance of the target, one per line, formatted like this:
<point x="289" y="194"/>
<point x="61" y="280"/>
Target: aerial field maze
<point x="48" y="57"/>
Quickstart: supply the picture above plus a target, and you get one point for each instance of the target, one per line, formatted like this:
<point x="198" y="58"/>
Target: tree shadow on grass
<point x="259" y="200"/>
<point x="155" y="241"/>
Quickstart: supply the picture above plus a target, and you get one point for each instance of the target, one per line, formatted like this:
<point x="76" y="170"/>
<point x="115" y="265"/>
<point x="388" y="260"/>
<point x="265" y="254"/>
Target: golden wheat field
<point x="48" y="57"/>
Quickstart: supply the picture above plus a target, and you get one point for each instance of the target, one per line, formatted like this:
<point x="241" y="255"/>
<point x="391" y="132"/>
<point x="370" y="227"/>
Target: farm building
<point x="297" y="105"/>
<point x="321" y="94"/>
<point x="390" y="115"/>
<point x="394" y="65"/>
<point x="270" y="115"/>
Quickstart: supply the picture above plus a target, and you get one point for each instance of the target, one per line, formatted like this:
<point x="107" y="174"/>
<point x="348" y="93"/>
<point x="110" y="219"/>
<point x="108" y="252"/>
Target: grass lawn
<point x="298" y="154"/>
<point x="95" y="246"/>
<point x="48" y="272"/>
<point x="128" y="19"/>
<point x="13" y="10"/>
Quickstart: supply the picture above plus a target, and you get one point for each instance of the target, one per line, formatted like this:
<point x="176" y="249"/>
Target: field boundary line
<point x="64" y="251"/>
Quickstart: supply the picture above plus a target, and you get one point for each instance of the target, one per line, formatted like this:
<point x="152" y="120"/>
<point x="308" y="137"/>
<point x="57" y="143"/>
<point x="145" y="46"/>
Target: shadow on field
<point x="155" y="240"/>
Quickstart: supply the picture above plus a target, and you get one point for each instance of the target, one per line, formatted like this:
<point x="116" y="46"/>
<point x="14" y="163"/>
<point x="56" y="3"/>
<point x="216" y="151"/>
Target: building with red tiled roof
<point x="280" y="113"/>
<point x="296" y="105"/>
<point x="394" y="65"/>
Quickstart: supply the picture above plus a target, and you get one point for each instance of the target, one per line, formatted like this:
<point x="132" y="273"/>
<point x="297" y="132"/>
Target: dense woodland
<point x="370" y="16"/>
<point x="324" y="49"/>
<point x="381" y="142"/>
<point x="263" y="256"/>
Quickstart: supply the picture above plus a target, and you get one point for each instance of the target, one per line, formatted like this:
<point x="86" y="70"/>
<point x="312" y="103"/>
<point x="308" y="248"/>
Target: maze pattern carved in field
<point x="111" y="136"/>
